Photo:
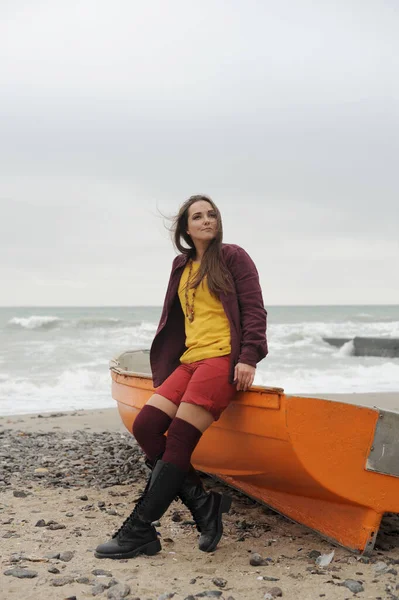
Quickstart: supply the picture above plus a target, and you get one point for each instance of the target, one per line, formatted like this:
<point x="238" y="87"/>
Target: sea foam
<point x="35" y="322"/>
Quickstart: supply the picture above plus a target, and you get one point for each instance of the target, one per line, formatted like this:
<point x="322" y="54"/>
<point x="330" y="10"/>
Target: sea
<point x="57" y="359"/>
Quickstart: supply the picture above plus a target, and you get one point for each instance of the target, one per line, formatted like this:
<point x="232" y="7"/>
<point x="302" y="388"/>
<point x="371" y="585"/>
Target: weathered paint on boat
<point x="331" y="466"/>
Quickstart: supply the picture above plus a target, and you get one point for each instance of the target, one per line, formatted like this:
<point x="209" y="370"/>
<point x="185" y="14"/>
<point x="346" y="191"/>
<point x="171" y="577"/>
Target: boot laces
<point x="128" y="524"/>
<point x="131" y="521"/>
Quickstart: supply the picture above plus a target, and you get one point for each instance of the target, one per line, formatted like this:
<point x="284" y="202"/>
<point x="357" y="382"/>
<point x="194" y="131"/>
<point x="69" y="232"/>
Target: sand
<point x="90" y="515"/>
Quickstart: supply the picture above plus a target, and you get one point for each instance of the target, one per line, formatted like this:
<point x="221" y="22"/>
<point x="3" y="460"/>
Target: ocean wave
<point x="98" y="322"/>
<point x="114" y="323"/>
<point x="71" y="390"/>
<point x="338" y="378"/>
<point x="369" y="318"/>
<point x="51" y="322"/>
<point x="347" y="349"/>
<point x="67" y="386"/>
<point x="147" y="327"/>
<point x="35" y="322"/>
<point x="310" y="336"/>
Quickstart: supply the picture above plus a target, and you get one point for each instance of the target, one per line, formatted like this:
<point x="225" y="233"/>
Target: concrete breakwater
<point x="368" y="346"/>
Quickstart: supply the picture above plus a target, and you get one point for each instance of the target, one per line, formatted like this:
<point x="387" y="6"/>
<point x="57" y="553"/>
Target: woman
<point x="211" y="335"/>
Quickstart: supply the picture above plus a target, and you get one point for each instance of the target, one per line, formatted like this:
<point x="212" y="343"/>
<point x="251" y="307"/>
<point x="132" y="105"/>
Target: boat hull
<point x="307" y="458"/>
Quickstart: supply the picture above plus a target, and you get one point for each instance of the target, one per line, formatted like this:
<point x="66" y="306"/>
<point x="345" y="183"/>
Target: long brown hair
<point x="212" y="265"/>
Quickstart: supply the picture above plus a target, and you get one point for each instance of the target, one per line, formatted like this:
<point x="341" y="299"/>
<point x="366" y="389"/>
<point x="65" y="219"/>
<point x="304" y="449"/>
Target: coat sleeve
<point x="168" y="298"/>
<point x="169" y="341"/>
<point x="253" y="314"/>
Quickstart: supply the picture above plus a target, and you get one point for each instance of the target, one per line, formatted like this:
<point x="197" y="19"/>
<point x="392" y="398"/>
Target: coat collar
<point x="181" y="260"/>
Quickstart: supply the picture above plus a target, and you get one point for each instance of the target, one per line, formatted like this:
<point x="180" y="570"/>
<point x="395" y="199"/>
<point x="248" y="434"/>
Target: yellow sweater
<point x="208" y="335"/>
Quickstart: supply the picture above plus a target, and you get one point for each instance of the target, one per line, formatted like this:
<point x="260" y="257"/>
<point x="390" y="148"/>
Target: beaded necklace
<point x="190" y="308"/>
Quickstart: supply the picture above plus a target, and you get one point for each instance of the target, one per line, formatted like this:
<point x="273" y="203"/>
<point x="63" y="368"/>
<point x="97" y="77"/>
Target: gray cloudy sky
<point x="286" y="112"/>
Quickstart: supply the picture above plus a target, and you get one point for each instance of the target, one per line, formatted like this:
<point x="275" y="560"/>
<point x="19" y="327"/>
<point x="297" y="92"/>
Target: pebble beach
<point x="68" y="480"/>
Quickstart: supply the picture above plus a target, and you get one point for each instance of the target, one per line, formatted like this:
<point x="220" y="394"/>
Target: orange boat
<point x="331" y="466"/>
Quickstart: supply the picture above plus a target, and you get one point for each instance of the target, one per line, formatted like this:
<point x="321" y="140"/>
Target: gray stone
<point x="274" y="592"/>
<point x="83" y="580"/>
<point x="66" y="556"/>
<point x="353" y="586"/>
<point x="16" y="558"/>
<point x="60" y="581"/>
<point x="56" y="526"/>
<point x="21" y="573"/>
<point x="98" y="588"/>
<point x="54" y="571"/>
<point x="257" y="561"/>
<point x="219" y="582"/>
<point x="166" y="596"/>
<point x="19" y="494"/>
<point x="209" y="594"/>
<point x="41" y="523"/>
<point x="118" y="592"/>
<point x="101" y="573"/>
<point x="380" y="567"/>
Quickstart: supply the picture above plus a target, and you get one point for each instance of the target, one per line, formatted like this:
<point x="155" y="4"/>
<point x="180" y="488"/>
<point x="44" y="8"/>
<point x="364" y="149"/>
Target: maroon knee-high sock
<point x="181" y="441"/>
<point x="148" y="429"/>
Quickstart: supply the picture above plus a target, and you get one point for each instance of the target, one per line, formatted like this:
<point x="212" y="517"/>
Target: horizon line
<point x="160" y="305"/>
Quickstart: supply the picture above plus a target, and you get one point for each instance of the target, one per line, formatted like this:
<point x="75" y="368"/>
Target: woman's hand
<point x="244" y="376"/>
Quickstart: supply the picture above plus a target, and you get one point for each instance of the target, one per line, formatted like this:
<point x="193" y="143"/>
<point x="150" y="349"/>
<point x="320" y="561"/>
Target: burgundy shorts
<point x="205" y="383"/>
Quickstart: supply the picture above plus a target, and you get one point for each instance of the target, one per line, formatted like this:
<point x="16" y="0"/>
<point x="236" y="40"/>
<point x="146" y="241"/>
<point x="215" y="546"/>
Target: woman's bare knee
<point x="195" y="415"/>
<point x="163" y="404"/>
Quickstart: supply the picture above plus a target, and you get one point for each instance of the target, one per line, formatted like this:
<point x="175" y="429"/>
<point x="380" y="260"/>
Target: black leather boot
<point x="137" y="535"/>
<point x="207" y="510"/>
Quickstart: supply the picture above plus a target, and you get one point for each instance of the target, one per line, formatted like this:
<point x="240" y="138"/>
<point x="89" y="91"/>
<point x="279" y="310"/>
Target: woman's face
<point x="202" y="223"/>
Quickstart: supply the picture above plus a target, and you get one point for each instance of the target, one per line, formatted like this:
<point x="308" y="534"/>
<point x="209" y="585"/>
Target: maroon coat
<point x="244" y="309"/>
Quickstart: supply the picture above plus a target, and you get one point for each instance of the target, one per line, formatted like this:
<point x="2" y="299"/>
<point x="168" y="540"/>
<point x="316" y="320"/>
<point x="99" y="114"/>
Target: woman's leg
<point x="207" y="395"/>
<point x="162" y="403"/>
<point x="150" y="425"/>
<point x="137" y="535"/>
<point x="184" y="434"/>
<point x="196" y="415"/>
<point x="206" y="508"/>
<point x="157" y="414"/>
